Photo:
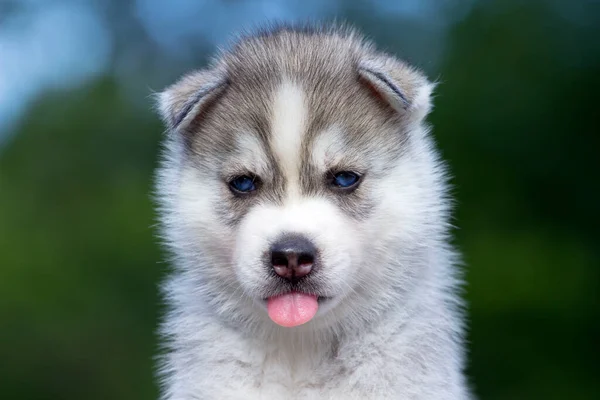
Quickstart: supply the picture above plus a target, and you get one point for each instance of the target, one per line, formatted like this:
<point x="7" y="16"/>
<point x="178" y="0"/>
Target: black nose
<point x="293" y="256"/>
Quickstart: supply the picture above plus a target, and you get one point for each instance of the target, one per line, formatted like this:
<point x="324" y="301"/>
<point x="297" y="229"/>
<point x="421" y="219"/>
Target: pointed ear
<point x="182" y="102"/>
<point x="405" y="89"/>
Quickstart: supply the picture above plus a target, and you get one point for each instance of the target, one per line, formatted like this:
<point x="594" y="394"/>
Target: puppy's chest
<point x="304" y="376"/>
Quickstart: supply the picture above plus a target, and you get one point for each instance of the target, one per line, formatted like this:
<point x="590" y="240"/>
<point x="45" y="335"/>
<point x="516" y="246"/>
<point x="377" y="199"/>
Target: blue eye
<point x="345" y="179"/>
<point x="243" y="184"/>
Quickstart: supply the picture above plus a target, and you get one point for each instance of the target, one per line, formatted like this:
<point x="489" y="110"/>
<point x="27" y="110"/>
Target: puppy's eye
<point x="345" y="179"/>
<point x="243" y="184"/>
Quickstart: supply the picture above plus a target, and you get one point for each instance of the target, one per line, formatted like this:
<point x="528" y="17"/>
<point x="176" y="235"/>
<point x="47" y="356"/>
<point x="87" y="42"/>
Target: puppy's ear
<point x="183" y="101"/>
<point x="405" y="89"/>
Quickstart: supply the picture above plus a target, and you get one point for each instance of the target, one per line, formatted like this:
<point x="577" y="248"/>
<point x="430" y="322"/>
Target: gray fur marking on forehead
<point x="323" y="60"/>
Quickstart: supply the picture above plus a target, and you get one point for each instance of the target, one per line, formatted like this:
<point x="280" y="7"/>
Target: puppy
<point x="307" y="214"/>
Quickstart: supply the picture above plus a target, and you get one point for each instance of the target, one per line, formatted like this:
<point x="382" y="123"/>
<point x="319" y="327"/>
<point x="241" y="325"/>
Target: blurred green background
<point x="516" y="116"/>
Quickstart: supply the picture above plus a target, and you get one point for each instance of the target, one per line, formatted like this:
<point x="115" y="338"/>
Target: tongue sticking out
<point x="292" y="309"/>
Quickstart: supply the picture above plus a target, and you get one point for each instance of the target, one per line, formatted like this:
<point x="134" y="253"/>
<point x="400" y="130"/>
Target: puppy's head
<point x="299" y="179"/>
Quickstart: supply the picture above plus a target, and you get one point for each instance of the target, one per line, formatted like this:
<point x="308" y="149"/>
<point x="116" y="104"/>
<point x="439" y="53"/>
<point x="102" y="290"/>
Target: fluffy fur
<point x="292" y="106"/>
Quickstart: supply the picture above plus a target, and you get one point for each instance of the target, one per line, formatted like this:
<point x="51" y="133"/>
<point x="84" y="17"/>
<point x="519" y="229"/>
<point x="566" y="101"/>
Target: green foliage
<point x="79" y="261"/>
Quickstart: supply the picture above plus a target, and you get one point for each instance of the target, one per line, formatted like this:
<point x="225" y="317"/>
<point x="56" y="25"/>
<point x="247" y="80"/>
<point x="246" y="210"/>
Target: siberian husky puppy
<point x="307" y="213"/>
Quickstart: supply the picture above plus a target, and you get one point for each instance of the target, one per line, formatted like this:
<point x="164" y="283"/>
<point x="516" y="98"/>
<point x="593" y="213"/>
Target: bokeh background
<point x="516" y="117"/>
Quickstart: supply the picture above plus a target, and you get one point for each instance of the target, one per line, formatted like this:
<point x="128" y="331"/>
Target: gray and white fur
<point x="290" y="107"/>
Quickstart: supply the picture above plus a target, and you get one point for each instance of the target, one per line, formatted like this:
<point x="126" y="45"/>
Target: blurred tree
<point x="79" y="264"/>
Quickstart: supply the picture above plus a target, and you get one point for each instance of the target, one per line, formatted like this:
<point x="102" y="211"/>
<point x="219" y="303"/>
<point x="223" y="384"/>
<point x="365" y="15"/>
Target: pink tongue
<point x="292" y="309"/>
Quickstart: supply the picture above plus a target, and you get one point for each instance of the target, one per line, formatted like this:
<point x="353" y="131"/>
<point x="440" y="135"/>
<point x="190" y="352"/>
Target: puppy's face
<point x="296" y="172"/>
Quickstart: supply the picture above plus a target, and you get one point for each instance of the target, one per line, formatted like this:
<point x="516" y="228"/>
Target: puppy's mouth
<point x="293" y="308"/>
